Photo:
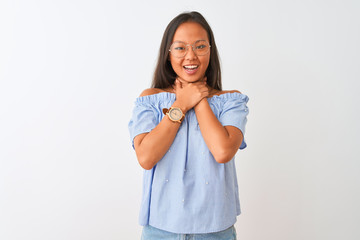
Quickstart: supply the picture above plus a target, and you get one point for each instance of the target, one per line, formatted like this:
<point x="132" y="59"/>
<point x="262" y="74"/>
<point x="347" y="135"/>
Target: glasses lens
<point x="178" y="49"/>
<point x="201" y="47"/>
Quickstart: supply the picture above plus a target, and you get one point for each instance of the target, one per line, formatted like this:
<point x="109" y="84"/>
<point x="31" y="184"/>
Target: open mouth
<point x="191" y="67"/>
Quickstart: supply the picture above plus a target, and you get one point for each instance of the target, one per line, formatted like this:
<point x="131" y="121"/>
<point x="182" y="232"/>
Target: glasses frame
<point x="192" y="46"/>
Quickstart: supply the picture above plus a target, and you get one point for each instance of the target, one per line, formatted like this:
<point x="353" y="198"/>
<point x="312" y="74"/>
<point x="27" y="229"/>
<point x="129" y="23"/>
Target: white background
<point x="70" y="71"/>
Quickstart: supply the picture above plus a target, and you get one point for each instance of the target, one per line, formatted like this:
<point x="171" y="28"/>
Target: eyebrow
<point x="189" y="43"/>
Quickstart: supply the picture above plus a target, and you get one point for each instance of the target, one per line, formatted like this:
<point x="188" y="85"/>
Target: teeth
<point x="191" y="66"/>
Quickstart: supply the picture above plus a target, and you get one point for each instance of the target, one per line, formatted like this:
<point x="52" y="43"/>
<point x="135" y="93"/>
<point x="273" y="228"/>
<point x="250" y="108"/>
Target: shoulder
<point x="230" y="91"/>
<point x="218" y="92"/>
<point x="151" y="91"/>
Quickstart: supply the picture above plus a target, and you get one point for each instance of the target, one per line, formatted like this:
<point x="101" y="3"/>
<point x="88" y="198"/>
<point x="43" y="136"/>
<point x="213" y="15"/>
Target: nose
<point x="190" y="54"/>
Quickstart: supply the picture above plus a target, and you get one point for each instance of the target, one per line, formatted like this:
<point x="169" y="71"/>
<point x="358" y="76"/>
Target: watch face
<point x="175" y="114"/>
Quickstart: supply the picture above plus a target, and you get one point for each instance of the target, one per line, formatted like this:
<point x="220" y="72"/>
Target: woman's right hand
<point x="190" y="94"/>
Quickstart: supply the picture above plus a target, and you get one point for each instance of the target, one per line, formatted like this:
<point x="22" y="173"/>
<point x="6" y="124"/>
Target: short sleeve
<point x="143" y="120"/>
<point x="234" y="113"/>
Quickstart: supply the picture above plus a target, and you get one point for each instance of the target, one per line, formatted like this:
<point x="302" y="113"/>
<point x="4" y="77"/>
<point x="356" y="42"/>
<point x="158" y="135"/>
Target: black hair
<point x="164" y="75"/>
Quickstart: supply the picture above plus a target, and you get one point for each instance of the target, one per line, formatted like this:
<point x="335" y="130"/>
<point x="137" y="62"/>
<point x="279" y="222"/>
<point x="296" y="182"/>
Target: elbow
<point x="146" y="163"/>
<point x="223" y="156"/>
<point x="147" y="159"/>
<point x="146" y="166"/>
<point x="222" y="159"/>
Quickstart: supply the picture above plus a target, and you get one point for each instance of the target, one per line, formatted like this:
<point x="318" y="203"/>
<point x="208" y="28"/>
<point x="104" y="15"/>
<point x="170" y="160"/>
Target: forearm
<point x="222" y="144"/>
<point x="151" y="147"/>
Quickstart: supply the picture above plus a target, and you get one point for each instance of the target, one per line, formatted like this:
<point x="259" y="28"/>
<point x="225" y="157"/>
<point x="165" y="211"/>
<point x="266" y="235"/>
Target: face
<point x="190" y="68"/>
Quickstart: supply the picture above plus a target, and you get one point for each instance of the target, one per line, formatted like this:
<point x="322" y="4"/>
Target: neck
<point x="185" y="83"/>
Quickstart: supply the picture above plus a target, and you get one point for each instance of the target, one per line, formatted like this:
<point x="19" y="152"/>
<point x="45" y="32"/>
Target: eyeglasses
<point x="179" y="49"/>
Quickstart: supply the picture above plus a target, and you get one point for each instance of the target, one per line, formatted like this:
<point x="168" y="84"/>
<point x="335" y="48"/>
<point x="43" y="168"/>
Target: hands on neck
<point x="185" y="83"/>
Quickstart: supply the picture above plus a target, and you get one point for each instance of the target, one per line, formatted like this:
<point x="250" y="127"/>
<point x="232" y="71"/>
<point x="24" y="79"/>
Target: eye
<point x="179" y="48"/>
<point x="201" y="46"/>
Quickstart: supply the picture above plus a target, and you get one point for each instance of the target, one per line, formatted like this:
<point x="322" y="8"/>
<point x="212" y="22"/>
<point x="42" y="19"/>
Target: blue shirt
<point x="187" y="191"/>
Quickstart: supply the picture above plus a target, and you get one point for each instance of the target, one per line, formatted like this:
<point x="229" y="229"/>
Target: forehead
<point x="190" y="32"/>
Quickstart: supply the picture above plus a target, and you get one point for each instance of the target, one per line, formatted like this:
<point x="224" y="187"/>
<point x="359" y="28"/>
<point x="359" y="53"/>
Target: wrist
<point x="201" y="104"/>
<point x="175" y="114"/>
<point x="180" y="105"/>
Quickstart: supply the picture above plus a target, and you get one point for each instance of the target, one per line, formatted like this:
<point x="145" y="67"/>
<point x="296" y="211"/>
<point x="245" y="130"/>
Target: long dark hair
<point x="164" y="75"/>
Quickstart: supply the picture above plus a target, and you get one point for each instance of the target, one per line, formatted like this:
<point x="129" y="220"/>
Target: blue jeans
<point x="151" y="233"/>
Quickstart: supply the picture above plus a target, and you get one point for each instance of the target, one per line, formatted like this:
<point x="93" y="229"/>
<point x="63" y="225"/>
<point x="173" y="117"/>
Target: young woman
<point x="185" y="131"/>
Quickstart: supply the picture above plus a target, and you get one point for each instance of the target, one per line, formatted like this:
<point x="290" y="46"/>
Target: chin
<point x="191" y="79"/>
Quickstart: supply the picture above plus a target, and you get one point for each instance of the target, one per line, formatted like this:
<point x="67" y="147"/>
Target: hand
<point x="188" y="95"/>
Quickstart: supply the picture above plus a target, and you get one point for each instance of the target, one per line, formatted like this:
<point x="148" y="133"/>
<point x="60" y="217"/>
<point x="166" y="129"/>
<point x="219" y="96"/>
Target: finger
<point x="205" y="92"/>
<point x="180" y="79"/>
<point x="204" y="87"/>
<point x="177" y="83"/>
<point x="199" y="83"/>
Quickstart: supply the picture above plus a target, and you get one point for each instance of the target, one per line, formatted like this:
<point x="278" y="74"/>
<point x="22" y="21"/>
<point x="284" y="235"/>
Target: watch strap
<point x="166" y="112"/>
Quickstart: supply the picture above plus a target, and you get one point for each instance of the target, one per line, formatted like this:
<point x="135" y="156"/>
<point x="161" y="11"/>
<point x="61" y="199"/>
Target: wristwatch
<point x="175" y="114"/>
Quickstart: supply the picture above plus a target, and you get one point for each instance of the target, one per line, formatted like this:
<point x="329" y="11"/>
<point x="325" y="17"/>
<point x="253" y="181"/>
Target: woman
<point x="185" y="131"/>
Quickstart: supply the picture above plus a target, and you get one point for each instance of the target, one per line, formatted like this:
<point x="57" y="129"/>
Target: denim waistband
<point x="152" y="233"/>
